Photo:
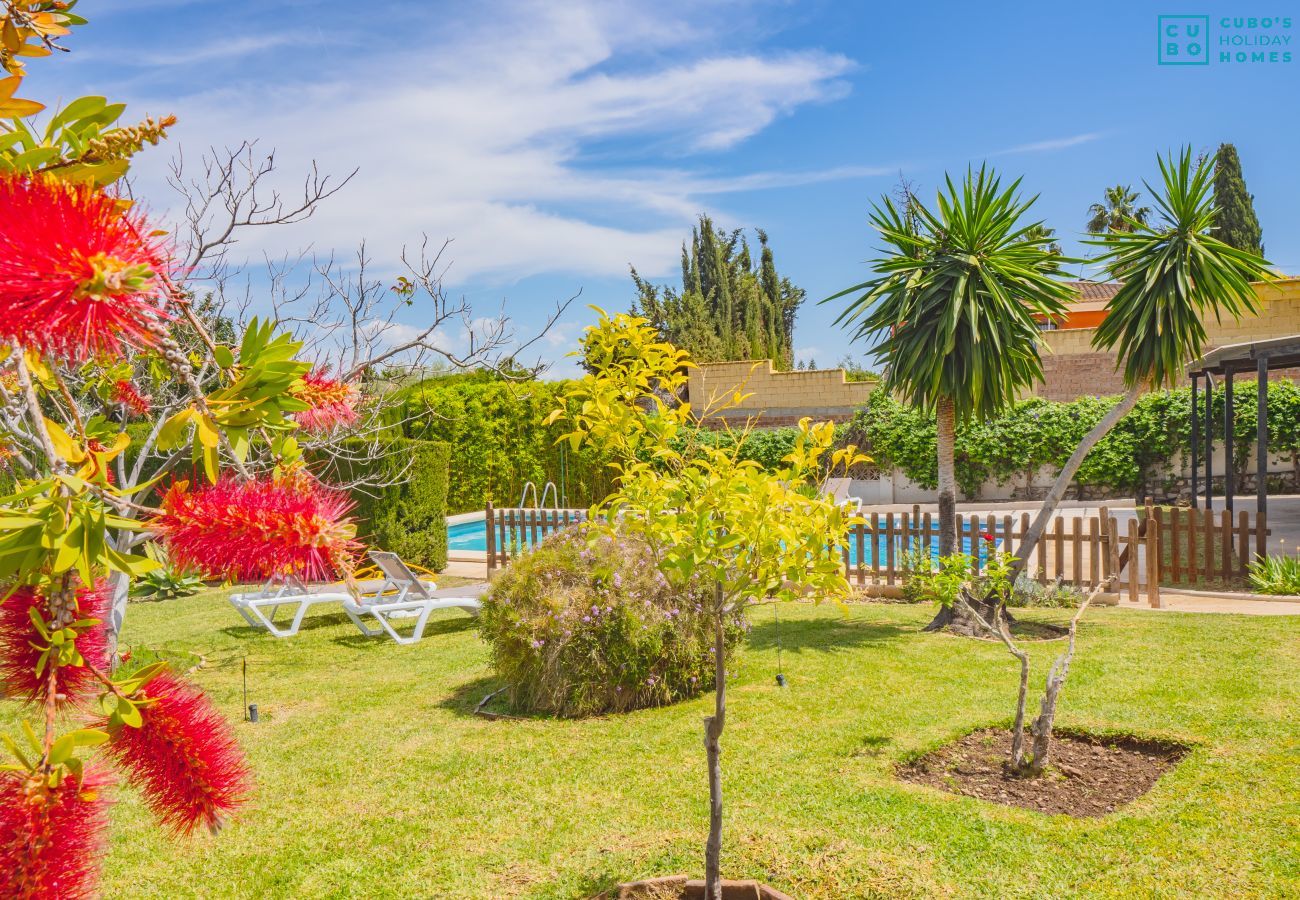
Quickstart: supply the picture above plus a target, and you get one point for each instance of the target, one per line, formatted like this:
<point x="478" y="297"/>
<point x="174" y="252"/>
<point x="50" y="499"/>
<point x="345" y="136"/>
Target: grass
<point x="375" y="780"/>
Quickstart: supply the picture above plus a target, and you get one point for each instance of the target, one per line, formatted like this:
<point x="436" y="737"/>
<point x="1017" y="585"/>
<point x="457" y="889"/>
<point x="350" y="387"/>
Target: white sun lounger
<point x="837" y="489"/>
<point x="260" y="608"/>
<point x="402" y="596"/>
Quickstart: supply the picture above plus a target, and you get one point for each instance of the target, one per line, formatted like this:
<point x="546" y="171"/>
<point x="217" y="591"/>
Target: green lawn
<point x="376" y="781"/>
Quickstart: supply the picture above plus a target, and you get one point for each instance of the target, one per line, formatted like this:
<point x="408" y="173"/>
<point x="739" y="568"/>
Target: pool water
<point x="473" y="536"/>
<point x="468" y="536"/>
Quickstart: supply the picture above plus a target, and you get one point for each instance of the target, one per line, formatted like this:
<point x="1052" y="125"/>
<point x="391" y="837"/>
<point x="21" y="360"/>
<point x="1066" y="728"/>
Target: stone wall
<point x="776" y="398"/>
<point x="1072" y="368"/>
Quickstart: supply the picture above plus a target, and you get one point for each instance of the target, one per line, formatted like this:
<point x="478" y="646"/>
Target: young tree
<point x="706" y="513"/>
<point x="983" y="602"/>
<point x="958" y="303"/>
<point x="1236" y="224"/>
<point x="1176" y="273"/>
<point x="1118" y="212"/>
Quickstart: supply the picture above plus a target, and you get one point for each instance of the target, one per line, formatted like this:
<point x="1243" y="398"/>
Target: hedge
<point x="497" y="439"/>
<point x="409" y="518"/>
<point x="1138" y="455"/>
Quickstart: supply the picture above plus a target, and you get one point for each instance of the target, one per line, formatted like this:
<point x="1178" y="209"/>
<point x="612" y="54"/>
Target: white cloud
<point x="223" y="48"/>
<point x="497" y="133"/>
<point x="1051" y="144"/>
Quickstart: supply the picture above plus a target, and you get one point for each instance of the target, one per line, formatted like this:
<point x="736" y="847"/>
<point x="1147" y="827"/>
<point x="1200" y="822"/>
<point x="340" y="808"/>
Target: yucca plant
<point x="959" y="299"/>
<point x="1175" y="273"/>
<point x="166" y="584"/>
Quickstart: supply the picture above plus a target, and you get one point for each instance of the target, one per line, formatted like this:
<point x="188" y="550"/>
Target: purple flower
<point x="538" y="643"/>
<point x="618" y="580"/>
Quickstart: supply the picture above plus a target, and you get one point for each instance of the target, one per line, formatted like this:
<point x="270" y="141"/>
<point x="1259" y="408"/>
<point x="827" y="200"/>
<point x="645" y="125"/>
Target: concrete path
<point x="1171" y="601"/>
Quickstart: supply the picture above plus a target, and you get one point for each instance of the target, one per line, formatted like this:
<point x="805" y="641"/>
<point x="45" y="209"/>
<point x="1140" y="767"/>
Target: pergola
<point x="1255" y="356"/>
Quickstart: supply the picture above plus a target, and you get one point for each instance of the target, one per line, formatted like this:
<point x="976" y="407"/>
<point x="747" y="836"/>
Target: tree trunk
<point x="957" y="617"/>
<point x="946" y="438"/>
<point x="1053" y="499"/>
<point x="120" y="583"/>
<point x="713" y="748"/>
<point x="1018" y="727"/>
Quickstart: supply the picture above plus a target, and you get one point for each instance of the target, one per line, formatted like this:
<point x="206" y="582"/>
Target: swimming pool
<point x="470" y="535"/>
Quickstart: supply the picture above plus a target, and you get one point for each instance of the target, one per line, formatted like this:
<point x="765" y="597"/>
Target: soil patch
<point x="1091" y="776"/>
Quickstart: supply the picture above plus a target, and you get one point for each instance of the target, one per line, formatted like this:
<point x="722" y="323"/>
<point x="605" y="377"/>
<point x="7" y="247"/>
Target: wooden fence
<point x="1135" y="554"/>
<point x="1204" y="546"/>
<point x="511" y="532"/>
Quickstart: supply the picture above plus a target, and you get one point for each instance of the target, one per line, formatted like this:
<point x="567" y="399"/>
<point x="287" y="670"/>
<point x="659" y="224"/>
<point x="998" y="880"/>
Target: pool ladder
<point x="549" y="490"/>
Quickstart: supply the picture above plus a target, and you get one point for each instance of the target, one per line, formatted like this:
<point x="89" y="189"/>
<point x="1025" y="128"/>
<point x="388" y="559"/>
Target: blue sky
<point x="557" y="143"/>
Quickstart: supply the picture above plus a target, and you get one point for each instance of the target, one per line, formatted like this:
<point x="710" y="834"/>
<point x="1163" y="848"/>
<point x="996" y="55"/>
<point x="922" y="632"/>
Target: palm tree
<point x="1117" y="213"/>
<point x="958" y="301"/>
<point x="1175" y="274"/>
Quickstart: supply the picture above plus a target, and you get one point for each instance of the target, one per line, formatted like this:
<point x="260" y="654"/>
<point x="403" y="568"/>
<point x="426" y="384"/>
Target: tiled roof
<point x="1095" y="290"/>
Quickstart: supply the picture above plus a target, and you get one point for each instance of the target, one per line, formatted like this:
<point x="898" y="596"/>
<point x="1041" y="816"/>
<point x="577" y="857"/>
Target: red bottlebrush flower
<point x="333" y="402"/>
<point x="19" y="656"/>
<point x="126" y="395"/>
<point x="76" y="276"/>
<point x="51" y="839"/>
<point x="184" y="757"/>
<point x="986" y="536"/>
<point x="252" y="530"/>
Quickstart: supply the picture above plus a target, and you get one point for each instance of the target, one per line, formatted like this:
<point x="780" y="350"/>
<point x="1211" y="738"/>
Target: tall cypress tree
<point x="1236" y="224"/>
<point x="730" y="305"/>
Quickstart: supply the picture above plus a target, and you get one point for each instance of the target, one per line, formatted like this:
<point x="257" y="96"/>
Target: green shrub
<point x="497" y="439"/>
<point x="578" y="630"/>
<point x="166" y="584"/>
<point x="1275" y="575"/>
<point x="410" y="517"/>
<point x="1138" y="454"/>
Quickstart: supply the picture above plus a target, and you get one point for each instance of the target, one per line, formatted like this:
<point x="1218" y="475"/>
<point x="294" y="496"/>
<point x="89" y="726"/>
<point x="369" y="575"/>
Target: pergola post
<point x="1261" y="436"/>
<point x="1228" y="434"/>
<point x="1196" y="443"/>
<point x="1209" y="441"/>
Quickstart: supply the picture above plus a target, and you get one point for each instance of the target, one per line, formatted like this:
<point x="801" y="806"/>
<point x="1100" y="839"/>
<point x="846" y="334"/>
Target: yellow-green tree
<point x="757" y="536"/>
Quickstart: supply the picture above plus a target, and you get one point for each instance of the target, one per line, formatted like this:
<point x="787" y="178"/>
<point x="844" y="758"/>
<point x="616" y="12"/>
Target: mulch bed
<point x="1090" y="776"/>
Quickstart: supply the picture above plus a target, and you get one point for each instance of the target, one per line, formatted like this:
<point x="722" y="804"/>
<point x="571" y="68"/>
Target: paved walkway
<point x="1171" y="601"/>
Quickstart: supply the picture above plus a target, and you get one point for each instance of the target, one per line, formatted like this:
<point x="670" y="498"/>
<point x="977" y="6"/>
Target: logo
<point x="1226" y="40"/>
<point x="1184" y="40"/>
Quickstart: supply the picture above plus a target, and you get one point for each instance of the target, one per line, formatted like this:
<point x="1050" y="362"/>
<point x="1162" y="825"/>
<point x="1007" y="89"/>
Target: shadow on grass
<point x="432" y="629"/>
<point x="467" y="696"/>
<point x="831" y="633"/>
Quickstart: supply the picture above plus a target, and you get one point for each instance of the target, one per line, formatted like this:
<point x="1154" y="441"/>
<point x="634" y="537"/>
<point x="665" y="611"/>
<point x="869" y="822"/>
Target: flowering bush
<point x="579" y="630"/>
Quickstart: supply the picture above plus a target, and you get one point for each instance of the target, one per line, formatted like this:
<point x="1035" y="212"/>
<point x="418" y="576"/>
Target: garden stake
<point x="780" y="676"/>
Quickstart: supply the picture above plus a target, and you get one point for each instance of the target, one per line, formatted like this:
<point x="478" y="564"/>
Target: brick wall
<point x="777" y="398"/>
<point x="1072" y="368"/>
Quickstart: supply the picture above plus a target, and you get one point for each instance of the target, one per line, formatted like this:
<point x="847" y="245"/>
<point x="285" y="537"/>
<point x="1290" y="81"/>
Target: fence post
<point x="1112" y="550"/>
<point x="1175" y="545"/>
<point x="1243" y="542"/>
<point x="1132" y="564"/>
<point x="1058" y="547"/>
<point x="490" y="522"/>
<point x="1209" y="544"/>
<point x="1153" y="562"/>
<point x="875" y="548"/>
<point x="889" y="548"/>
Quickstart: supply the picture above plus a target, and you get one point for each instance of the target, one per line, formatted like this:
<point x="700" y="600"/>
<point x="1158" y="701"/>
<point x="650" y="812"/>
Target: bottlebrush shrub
<point x="22" y="643"/>
<point x="51" y="839"/>
<point x="252" y="530"/>
<point x="333" y="402"/>
<point x="578" y="630"/>
<point x="183" y="755"/>
<point x="76" y="276"/>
